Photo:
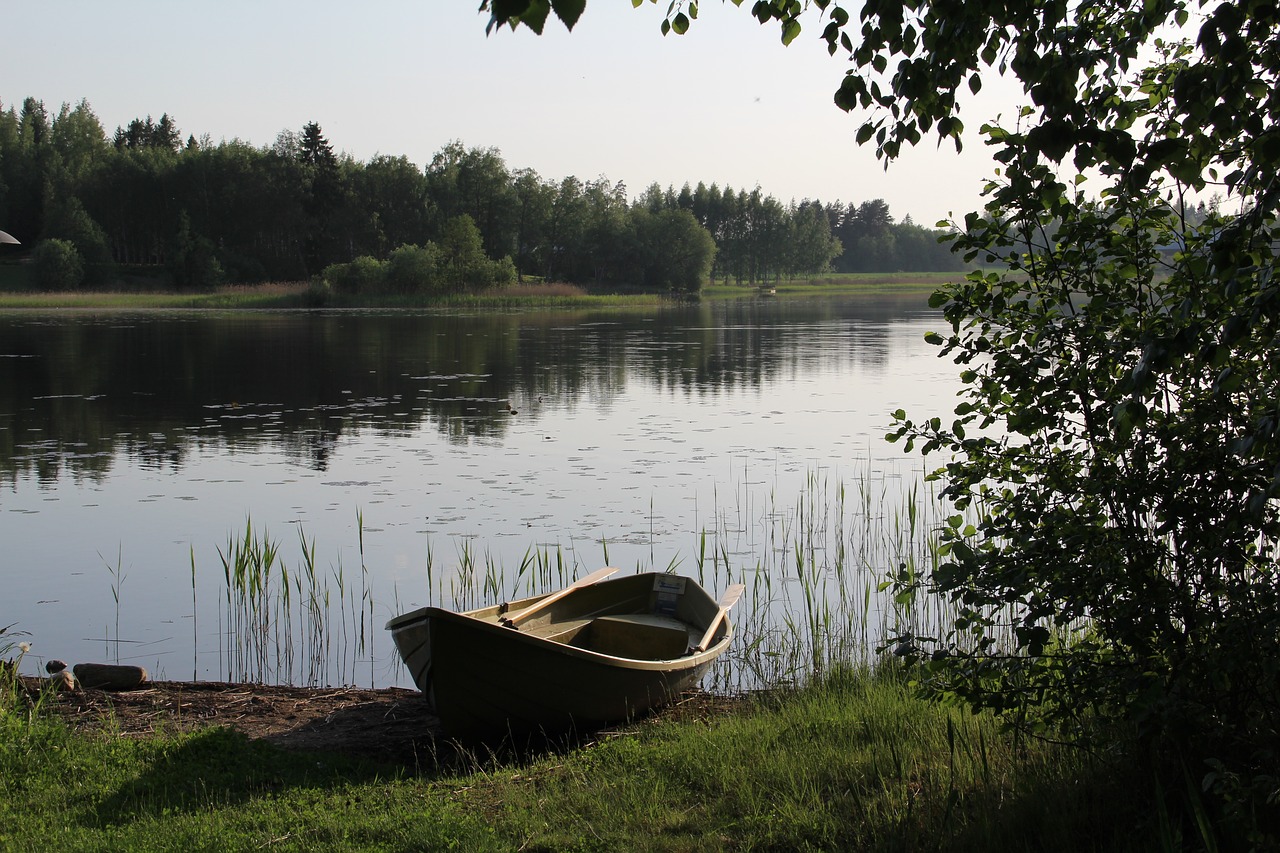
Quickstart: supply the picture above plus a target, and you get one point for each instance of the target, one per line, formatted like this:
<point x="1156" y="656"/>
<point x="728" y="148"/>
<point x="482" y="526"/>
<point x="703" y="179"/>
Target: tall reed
<point x="817" y="567"/>
<point x="279" y="626"/>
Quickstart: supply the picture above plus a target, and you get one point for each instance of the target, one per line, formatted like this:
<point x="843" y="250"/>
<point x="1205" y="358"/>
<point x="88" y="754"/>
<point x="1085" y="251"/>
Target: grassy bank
<point x="298" y="295"/>
<point x="855" y="762"/>
<point x="832" y="284"/>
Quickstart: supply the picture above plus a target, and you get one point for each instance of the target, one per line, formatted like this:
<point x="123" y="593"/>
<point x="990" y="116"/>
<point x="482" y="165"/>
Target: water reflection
<point x="133" y="447"/>
<point x="77" y="392"/>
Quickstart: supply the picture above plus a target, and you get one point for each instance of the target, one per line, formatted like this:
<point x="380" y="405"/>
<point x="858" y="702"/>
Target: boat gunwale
<point x="426" y="614"/>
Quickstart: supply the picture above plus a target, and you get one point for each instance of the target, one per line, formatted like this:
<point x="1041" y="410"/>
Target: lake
<point x="449" y="458"/>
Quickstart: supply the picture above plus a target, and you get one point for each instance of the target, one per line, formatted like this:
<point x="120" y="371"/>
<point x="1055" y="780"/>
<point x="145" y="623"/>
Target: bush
<point x="414" y="269"/>
<point x="58" y="265"/>
<point x="363" y="275"/>
<point x="503" y="272"/>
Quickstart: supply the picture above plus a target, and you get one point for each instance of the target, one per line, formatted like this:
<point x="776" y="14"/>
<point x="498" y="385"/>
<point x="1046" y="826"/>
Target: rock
<point x="107" y="676"/>
<point x="63" y="681"/>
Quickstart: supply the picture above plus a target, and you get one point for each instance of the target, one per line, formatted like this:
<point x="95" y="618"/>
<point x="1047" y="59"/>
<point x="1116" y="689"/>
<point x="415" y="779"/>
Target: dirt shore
<point x="391" y="725"/>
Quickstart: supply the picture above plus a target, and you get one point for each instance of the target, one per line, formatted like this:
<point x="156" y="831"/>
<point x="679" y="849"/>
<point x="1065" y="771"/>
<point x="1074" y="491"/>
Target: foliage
<point x="209" y="212"/>
<point x="675" y="252"/>
<point x="457" y="264"/>
<point x="68" y="220"/>
<point x="413" y="269"/>
<point x="58" y="265"/>
<point x="193" y="260"/>
<point x="363" y="275"/>
<point x="462" y="261"/>
<point x="1118" y="438"/>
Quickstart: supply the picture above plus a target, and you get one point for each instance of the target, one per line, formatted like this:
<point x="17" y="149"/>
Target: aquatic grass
<point x="118" y="576"/>
<point x="195" y="620"/>
<point x="819" y="567"/>
<point x="278" y="626"/>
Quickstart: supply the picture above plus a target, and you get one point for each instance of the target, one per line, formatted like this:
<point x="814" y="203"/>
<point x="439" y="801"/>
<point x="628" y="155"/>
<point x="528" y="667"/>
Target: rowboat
<point x="595" y="653"/>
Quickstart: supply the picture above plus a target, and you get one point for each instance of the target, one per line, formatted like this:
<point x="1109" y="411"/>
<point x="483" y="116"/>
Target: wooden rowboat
<point x="597" y="652"/>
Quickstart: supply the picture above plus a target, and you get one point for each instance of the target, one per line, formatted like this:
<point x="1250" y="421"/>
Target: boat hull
<point x="550" y="676"/>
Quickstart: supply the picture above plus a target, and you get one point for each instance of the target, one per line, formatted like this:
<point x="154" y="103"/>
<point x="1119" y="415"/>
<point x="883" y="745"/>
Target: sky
<point x="725" y="103"/>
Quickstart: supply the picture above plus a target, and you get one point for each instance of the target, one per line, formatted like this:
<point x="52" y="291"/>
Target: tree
<point x="25" y="167"/>
<point x="191" y="258"/>
<point x="68" y="220"/>
<point x="143" y="133"/>
<point x="1117" y="444"/>
<point x="323" y="196"/>
<point x="78" y="138"/>
<point x="462" y="259"/>
<point x="534" y="198"/>
<point x="810" y="245"/>
<point x="674" y="252"/>
<point x="475" y="182"/>
<point x="392" y="193"/>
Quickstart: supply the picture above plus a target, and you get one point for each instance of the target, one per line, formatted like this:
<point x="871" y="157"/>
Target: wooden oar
<point x="597" y="575"/>
<point x="730" y="598"/>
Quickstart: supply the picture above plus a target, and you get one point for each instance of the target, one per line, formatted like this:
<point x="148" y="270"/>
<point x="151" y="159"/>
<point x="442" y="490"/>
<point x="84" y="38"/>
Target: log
<point x="109" y="676"/>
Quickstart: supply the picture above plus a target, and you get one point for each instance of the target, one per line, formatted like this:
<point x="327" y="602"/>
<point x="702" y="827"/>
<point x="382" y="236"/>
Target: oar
<point x="597" y="575"/>
<point x="730" y="598"/>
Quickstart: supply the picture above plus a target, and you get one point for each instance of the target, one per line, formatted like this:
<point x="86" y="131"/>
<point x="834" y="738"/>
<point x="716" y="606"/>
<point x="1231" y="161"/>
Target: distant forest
<point x="229" y="212"/>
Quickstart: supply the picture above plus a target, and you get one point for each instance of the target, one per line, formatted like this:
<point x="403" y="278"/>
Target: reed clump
<point x="292" y="626"/>
<point x="818" y="571"/>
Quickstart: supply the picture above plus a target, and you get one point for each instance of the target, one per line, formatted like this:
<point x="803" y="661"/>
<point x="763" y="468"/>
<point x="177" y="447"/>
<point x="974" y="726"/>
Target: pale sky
<point x="726" y="103"/>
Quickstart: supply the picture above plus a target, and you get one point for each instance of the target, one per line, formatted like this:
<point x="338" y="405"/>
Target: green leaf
<point x="535" y="15"/>
<point x="569" y="11"/>
<point x="680" y="24"/>
<point x="790" y="29"/>
<point x="846" y="98"/>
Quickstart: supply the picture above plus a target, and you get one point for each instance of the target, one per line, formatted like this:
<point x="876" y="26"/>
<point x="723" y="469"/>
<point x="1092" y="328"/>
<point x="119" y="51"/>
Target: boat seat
<point x="564" y="632"/>
<point x="637" y="636"/>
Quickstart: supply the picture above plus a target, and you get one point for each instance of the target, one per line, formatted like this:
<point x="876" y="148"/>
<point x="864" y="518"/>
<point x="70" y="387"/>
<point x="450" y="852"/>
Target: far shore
<point x="299" y="295"/>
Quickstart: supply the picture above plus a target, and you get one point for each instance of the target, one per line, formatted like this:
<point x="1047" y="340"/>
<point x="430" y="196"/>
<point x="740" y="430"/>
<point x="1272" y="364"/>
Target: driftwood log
<point x="108" y="676"/>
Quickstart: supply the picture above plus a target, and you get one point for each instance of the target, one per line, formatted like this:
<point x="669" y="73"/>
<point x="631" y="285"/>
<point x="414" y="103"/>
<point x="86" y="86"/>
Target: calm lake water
<point x="412" y="448"/>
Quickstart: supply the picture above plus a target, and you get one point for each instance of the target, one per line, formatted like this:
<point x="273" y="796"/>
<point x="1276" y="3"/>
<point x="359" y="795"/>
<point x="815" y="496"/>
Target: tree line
<point x="212" y="213"/>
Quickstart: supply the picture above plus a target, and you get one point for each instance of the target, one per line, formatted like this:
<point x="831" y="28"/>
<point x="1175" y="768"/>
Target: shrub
<point x="58" y="265"/>
<point x="414" y="269"/>
<point x="363" y="275"/>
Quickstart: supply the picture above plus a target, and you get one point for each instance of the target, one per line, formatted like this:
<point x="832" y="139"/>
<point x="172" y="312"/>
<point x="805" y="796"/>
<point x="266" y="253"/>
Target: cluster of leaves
<point x="1117" y="443"/>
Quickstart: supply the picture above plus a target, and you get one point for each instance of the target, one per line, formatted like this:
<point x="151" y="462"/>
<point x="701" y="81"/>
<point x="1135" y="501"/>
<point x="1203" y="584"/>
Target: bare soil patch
<point x="391" y="725"/>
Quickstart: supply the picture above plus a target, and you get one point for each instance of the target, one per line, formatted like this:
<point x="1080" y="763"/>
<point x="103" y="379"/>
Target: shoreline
<point x="387" y="725"/>
<point x="295" y="296"/>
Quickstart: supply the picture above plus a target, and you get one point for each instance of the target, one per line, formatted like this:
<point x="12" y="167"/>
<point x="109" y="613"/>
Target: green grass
<point x="838" y="284"/>
<point x="16" y="293"/>
<point x="854" y="762"/>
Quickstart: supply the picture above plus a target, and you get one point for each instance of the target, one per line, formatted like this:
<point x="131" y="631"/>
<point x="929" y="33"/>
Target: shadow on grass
<point x="220" y="767"/>
<point x="372" y="742"/>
